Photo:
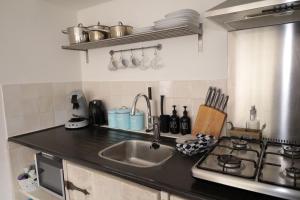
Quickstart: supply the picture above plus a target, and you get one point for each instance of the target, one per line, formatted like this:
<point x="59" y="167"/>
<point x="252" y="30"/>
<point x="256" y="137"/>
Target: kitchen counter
<point x="174" y="176"/>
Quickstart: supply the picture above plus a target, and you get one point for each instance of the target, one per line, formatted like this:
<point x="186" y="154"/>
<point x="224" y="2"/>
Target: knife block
<point x="209" y="121"/>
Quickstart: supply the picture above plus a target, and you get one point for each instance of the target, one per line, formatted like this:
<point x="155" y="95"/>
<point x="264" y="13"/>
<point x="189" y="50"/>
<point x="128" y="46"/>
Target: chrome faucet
<point x="156" y="130"/>
<point x="152" y="124"/>
<point x="149" y="116"/>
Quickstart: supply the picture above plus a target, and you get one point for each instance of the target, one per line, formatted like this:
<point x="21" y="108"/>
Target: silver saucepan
<point x="77" y="34"/>
<point x="98" y="32"/>
<point x="120" y="30"/>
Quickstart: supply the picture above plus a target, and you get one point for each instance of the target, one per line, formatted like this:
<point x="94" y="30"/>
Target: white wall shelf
<point x="139" y="37"/>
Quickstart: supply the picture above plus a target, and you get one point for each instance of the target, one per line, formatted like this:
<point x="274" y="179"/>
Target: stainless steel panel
<point x="234" y="6"/>
<point x="264" y="70"/>
<point x="233" y="3"/>
<point x="261" y="21"/>
<point x="244" y="14"/>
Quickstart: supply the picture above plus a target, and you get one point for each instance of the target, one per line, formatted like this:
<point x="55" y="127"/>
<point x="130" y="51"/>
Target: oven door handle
<point x="71" y="186"/>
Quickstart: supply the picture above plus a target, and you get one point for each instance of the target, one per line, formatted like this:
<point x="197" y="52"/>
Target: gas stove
<point x="264" y="167"/>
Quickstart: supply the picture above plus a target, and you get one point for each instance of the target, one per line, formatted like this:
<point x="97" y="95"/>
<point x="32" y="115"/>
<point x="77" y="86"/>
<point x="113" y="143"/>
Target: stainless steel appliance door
<point x="50" y="174"/>
<point x="264" y="70"/>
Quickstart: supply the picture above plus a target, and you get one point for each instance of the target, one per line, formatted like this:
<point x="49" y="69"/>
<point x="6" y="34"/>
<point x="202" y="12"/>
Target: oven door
<point x="50" y="174"/>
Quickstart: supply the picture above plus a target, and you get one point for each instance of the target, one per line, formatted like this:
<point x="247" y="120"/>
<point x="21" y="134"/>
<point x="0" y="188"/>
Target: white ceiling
<point x="77" y="4"/>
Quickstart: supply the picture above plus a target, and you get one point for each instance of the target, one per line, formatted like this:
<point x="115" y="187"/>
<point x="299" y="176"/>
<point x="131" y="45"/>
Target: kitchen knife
<point x="217" y="96"/>
<point x="224" y="104"/>
<point x="219" y="103"/>
<point x="208" y="95"/>
<point x="212" y="97"/>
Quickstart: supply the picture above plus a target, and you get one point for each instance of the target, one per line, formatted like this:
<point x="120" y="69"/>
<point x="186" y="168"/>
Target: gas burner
<point x="291" y="151"/>
<point x="293" y="172"/>
<point x="239" y="144"/>
<point x="229" y="161"/>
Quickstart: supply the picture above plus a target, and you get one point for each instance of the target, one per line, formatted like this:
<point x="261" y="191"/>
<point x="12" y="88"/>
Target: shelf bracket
<point x="200" y="39"/>
<point x="87" y="59"/>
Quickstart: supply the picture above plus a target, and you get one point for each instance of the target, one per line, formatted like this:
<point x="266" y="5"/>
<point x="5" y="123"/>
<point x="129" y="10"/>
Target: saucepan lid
<point x="99" y="27"/>
<point x="123" y="110"/>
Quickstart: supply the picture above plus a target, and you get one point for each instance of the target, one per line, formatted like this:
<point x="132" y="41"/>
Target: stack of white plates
<point x="179" y="18"/>
<point x="143" y="30"/>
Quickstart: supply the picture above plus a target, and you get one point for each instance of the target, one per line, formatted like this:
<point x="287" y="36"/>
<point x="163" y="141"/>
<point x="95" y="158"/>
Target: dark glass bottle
<point x="174" y="122"/>
<point x="185" y="123"/>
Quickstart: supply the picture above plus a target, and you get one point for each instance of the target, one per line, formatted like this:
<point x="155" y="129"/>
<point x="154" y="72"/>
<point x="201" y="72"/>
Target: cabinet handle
<point x="71" y="186"/>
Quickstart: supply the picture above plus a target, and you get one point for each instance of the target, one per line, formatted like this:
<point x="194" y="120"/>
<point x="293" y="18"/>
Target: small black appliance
<point x="97" y="113"/>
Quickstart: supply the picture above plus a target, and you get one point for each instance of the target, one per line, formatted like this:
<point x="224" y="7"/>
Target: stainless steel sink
<point x="137" y="153"/>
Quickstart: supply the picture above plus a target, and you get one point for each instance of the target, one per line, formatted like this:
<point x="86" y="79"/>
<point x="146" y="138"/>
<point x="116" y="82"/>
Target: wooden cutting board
<point x="209" y="121"/>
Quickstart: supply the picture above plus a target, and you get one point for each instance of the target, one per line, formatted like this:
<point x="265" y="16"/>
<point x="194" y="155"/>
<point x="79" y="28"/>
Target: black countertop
<point x="174" y="176"/>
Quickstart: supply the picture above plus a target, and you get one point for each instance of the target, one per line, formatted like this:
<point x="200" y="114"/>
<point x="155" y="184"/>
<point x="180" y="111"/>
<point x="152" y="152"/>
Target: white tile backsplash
<point x="47" y="119"/>
<point x="45" y="90"/>
<point x="180" y="93"/>
<point x="30" y="91"/>
<point x="30" y="107"/>
<point x="60" y="117"/>
<point x="35" y="106"/>
<point x="59" y="89"/>
<point x="45" y="104"/>
<point x="59" y="102"/>
<point x="15" y="125"/>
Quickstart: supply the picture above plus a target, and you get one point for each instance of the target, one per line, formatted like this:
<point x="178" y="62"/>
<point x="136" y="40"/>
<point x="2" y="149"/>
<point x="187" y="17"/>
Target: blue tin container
<point x="137" y="121"/>
<point x="123" y="118"/>
<point x="112" y="118"/>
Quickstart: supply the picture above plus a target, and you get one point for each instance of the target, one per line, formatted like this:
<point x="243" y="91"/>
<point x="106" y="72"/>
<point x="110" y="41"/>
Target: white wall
<point x="5" y="181"/>
<point x="31" y="37"/>
<point x="31" y="42"/>
<point x="181" y="58"/>
<point x="30" y="52"/>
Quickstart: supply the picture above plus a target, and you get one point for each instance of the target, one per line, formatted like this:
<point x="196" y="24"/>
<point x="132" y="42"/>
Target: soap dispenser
<point x="185" y="123"/>
<point x="253" y="123"/>
<point x="174" y="122"/>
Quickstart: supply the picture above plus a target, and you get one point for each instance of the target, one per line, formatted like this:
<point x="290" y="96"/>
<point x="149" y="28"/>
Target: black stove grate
<point x="224" y="169"/>
<point x="237" y="149"/>
<point x="260" y="178"/>
<point x="296" y="184"/>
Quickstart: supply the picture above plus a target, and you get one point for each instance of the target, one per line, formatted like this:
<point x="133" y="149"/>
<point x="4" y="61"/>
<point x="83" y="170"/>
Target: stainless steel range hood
<point x="244" y="14"/>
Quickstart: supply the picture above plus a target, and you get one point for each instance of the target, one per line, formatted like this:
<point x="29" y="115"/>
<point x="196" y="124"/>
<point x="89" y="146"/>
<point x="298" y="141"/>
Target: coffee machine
<point x="97" y="113"/>
<point x="79" y="111"/>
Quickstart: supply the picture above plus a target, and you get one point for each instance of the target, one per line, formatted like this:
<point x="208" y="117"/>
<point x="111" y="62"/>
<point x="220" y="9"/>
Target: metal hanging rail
<point x="158" y="47"/>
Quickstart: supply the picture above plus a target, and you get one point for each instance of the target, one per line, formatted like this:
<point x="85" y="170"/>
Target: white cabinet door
<point x="78" y="182"/>
<point x="102" y="186"/>
<point x="173" y="197"/>
<point x="113" y="188"/>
